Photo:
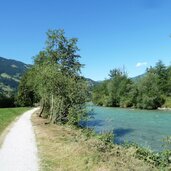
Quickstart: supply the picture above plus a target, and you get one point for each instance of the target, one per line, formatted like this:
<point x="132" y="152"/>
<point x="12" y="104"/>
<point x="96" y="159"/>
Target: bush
<point x="160" y="160"/>
<point x="106" y="141"/>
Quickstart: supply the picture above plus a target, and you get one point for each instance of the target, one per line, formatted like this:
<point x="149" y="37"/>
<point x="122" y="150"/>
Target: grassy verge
<point x="65" y="148"/>
<point x="7" y="115"/>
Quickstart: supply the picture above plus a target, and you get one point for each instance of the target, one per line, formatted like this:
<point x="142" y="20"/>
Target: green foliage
<point x="148" y="92"/>
<point x="7" y="101"/>
<point x="104" y="141"/>
<point x="100" y="94"/>
<point x="26" y="94"/>
<point x="161" y="71"/>
<point x="169" y="80"/>
<point x="161" y="160"/>
<point x="107" y="138"/>
<point x="55" y="79"/>
<point x="114" y="92"/>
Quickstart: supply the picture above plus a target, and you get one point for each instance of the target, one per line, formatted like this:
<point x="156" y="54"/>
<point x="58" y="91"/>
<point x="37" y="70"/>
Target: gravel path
<point x="19" y="150"/>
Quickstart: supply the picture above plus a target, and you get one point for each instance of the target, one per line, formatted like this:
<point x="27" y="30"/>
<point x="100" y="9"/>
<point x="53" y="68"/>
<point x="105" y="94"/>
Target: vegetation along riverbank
<point x="150" y="91"/>
<point x="67" y="148"/>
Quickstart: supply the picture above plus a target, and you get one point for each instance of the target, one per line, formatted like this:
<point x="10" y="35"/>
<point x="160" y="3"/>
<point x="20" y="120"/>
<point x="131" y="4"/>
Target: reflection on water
<point x="146" y="128"/>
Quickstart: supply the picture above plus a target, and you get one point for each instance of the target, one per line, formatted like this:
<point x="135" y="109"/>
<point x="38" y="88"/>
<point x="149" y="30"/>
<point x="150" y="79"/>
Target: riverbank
<point x="164" y="108"/>
<point x="66" y="148"/>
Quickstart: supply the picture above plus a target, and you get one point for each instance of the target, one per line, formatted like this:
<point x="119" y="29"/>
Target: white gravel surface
<point x="19" y="150"/>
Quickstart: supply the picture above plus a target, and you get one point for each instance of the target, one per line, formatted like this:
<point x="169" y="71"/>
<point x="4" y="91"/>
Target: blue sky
<point x="112" y="33"/>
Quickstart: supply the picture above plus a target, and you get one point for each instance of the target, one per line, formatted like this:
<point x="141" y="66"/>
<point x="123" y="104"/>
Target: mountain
<point x="137" y="78"/>
<point x="91" y="83"/>
<point x="11" y="72"/>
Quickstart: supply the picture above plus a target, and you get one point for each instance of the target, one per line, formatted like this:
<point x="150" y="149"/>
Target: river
<point x="144" y="127"/>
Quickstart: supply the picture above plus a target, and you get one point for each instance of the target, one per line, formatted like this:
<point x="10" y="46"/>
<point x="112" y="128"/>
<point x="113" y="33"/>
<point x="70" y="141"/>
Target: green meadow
<point x="7" y="115"/>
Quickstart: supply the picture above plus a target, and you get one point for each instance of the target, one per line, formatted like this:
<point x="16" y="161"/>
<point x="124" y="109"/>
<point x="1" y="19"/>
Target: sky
<point x="133" y="34"/>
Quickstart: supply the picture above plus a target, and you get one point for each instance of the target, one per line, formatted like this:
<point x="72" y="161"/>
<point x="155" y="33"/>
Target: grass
<point x="7" y="115"/>
<point x="64" y="148"/>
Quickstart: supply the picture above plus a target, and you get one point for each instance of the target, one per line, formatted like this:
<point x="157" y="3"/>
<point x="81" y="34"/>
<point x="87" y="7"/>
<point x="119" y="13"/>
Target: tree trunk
<point x="40" y="114"/>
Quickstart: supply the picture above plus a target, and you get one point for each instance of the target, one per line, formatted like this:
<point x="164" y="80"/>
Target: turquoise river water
<point x="146" y="128"/>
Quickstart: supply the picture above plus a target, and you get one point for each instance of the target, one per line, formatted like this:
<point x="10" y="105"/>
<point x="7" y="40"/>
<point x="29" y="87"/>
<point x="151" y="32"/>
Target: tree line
<point x="7" y="101"/>
<point x="149" y="92"/>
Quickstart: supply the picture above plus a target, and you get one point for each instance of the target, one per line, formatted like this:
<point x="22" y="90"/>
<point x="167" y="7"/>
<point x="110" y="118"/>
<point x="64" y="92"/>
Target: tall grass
<point x="7" y="115"/>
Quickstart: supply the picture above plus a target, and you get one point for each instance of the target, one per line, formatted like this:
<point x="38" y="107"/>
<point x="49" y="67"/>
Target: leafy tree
<point x="119" y="88"/>
<point x="129" y="98"/>
<point x="162" y="76"/>
<point x="149" y="93"/>
<point x="26" y="94"/>
<point x="63" y="51"/>
<point x="55" y="78"/>
<point x="169" y="81"/>
<point x="115" y="92"/>
<point x="101" y="94"/>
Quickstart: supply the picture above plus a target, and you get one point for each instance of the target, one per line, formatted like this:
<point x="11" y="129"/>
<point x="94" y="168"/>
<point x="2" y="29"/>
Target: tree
<point x="115" y="92"/>
<point x="101" y="94"/>
<point x="149" y="93"/>
<point x="57" y="80"/>
<point x="162" y="76"/>
<point x="26" y="94"/>
<point x="63" y="51"/>
<point x="119" y="88"/>
<point x="169" y="81"/>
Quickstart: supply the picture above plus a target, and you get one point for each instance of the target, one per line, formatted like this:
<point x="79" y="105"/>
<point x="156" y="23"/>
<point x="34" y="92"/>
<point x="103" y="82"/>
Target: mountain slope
<point x="10" y="74"/>
<point x="137" y="78"/>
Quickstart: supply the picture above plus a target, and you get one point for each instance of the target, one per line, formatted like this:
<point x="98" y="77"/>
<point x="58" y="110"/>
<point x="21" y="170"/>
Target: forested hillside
<point x="11" y="72"/>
